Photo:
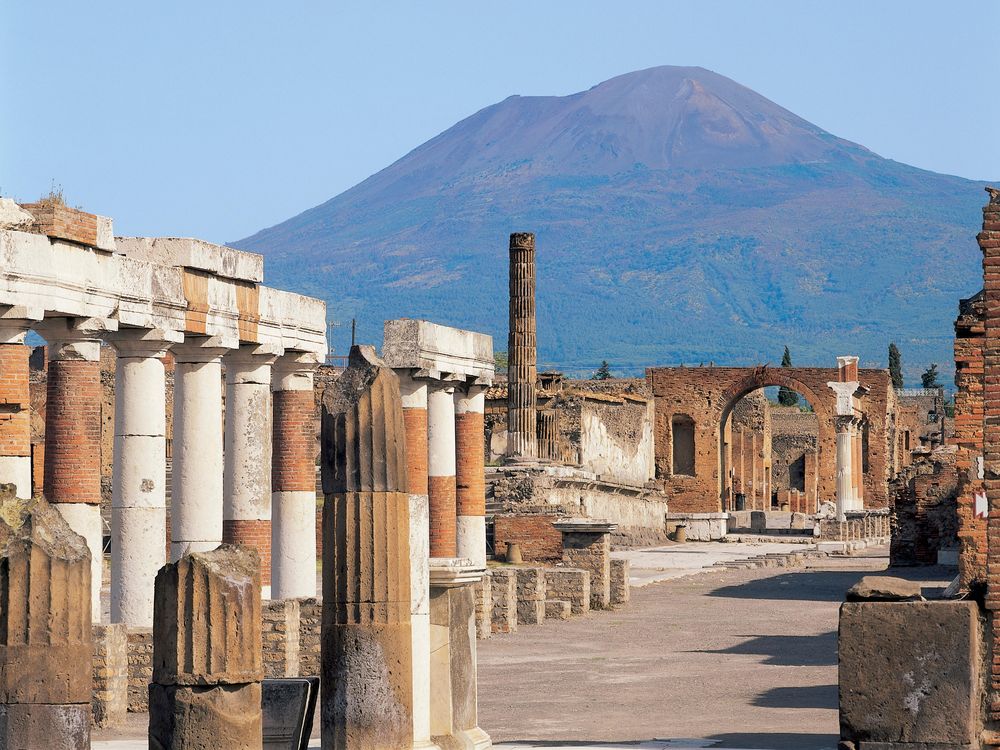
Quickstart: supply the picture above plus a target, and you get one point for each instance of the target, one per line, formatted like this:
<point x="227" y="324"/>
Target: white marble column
<point x="293" y="478"/>
<point x="196" y="491"/>
<point x="844" y="469"/>
<point x="246" y="515"/>
<point x="138" y="505"/>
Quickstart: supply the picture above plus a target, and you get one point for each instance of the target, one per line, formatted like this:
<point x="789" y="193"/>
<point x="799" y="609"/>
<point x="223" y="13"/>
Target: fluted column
<point x="441" y="470"/>
<point x="196" y="492"/>
<point x="138" y="505"/>
<point x="366" y="677"/>
<point x="413" y="397"/>
<point x="470" y="474"/>
<point x="246" y="515"/>
<point x="73" y="396"/>
<point x="522" y="371"/>
<point x="844" y="466"/>
<point x="293" y="478"/>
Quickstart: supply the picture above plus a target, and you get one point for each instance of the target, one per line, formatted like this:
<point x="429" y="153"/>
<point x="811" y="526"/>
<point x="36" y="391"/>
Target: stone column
<point x="548" y="434"/>
<point x="521" y="350"/>
<point x="293" y="478"/>
<point x="441" y="470"/>
<point x="454" y="673"/>
<point x="72" y="464"/>
<point x="207" y="660"/>
<point x="196" y="492"/>
<point x="859" y="466"/>
<point x="138" y="504"/>
<point x="413" y="393"/>
<point x="46" y="673"/>
<point x="470" y="474"/>
<point x="844" y="470"/>
<point x="15" y="401"/>
<point x="246" y="517"/>
<point x="367" y="676"/>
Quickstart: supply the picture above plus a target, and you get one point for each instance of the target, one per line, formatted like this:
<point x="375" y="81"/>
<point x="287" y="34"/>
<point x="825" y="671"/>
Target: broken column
<point x="366" y="676"/>
<point x="72" y="464"/>
<point x="207" y="662"/>
<point x="45" y="634"/>
<point x="293" y="479"/>
<point x="246" y="515"/>
<point x="522" y="370"/>
<point x="196" y="492"/>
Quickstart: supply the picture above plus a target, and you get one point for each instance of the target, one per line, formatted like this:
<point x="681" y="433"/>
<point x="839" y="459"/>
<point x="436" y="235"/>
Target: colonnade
<point x="226" y="480"/>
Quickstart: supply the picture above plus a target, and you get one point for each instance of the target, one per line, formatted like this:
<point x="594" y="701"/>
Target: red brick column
<point x="470" y="474"/>
<point x="441" y="470"/>
<point x="15" y="407"/>
<point x="989" y="241"/>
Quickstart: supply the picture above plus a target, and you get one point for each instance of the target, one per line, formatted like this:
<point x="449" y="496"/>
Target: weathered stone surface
<point x="504" y="593"/>
<point x="207" y="612"/>
<point x="530" y="595"/>
<point x="366" y="675"/>
<point x="910" y="672"/>
<point x="620" y="590"/>
<point x="45" y="636"/>
<point x="31" y="726"/>
<point x="12" y="216"/>
<point x="110" y="697"/>
<point x="884" y="589"/>
<point x="569" y="584"/>
<point x="557" y="609"/>
<point x="199" y="717"/>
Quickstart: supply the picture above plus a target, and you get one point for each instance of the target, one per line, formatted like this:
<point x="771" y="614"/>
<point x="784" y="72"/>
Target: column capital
<point x="412" y="390"/>
<point x="293" y="371"/>
<point x="843" y="422"/>
<point x="254" y="355"/>
<point x="198" y="349"/>
<point x="75" y="339"/>
<point x="16" y="321"/>
<point x="142" y="343"/>
<point x="471" y="399"/>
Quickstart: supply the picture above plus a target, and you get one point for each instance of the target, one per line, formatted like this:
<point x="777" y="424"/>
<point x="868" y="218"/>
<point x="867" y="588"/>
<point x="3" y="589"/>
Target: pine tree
<point x="786" y="396"/>
<point x="929" y="378"/>
<point x="603" y="372"/>
<point x="895" y="367"/>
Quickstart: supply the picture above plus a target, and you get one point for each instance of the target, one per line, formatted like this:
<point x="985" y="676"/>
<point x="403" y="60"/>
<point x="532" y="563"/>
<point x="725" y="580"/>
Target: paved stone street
<point x="734" y="658"/>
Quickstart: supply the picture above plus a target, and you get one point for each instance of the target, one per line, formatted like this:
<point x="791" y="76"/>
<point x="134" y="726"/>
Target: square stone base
<point x="53" y="727"/>
<point x="209" y="717"/>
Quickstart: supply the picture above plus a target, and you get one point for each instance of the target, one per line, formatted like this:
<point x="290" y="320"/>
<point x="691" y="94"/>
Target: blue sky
<point x="216" y="118"/>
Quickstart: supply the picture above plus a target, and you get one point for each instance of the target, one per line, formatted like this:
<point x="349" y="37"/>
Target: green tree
<point x="895" y="367"/>
<point x="603" y="372"/>
<point x="786" y="396"/>
<point x="500" y="361"/>
<point x="929" y="378"/>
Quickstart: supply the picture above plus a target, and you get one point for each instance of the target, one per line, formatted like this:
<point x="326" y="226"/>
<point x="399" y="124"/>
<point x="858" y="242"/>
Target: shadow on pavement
<point x="805" y="585"/>
<point x="812" y="696"/>
<point x="786" y="650"/>
<point x="777" y="741"/>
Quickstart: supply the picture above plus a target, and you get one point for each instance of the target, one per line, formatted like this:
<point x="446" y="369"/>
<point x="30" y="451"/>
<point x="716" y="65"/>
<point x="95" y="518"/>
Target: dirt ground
<point x="744" y="658"/>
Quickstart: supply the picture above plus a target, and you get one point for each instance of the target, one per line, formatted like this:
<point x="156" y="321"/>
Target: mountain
<point x="680" y="218"/>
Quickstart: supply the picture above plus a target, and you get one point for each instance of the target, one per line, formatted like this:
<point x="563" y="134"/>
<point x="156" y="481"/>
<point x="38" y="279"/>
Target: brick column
<point x="470" y="474"/>
<point x="196" y="492"/>
<point x="441" y="470"/>
<point x="72" y="464"/>
<point x="989" y="242"/>
<point x="521" y="349"/>
<point x="246" y="515"/>
<point x="293" y="478"/>
<point x="15" y="406"/>
<point x="138" y="505"/>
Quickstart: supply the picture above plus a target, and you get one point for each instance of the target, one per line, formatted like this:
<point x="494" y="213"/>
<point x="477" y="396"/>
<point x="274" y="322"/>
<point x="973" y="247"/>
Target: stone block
<point x="208" y="610"/>
<point x="910" y="672"/>
<point x="530" y="595"/>
<point x="504" y="593"/>
<point x="287" y="711"/>
<point x="109" y="701"/>
<point x="884" y="589"/>
<point x="569" y="584"/>
<point x="200" y="717"/>
<point x="484" y="607"/>
<point x="619" y="583"/>
<point x="758" y="521"/>
<point x="557" y="609"/>
<point x="27" y="726"/>
<point x="799" y="521"/>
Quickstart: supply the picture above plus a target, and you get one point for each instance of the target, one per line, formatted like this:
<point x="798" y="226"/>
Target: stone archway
<point x="765" y="377"/>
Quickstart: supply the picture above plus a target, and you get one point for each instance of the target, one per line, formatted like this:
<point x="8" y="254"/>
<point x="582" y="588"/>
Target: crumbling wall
<point x="616" y="440"/>
<point x="923" y="512"/>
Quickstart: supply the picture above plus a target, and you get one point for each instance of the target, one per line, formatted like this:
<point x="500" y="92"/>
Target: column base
<point x="474" y="739"/>
<point x="425" y="745"/>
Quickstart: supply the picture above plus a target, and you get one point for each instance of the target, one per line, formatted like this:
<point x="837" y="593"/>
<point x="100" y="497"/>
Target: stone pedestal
<point x="454" y="678"/>
<point x="587" y="545"/>
<point x="45" y="640"/>
<point x="207" y="662"/>
<point x="367" y="675"/>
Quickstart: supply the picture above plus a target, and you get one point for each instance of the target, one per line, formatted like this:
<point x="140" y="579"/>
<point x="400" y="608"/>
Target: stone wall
<point x="924" y="520"/>
<point x="140" y="668"/>
<point x="280" y="637"/>
<point x="571" y="585"/>
<point x="111" y="675"/>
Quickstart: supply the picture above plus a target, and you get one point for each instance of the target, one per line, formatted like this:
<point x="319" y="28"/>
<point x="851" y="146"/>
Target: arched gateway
<point x="701" y="400"/>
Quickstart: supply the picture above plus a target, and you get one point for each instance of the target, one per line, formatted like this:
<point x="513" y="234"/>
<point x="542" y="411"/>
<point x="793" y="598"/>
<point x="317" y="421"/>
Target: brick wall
<point x="540" y="541"/>
<point x="63" y="222"/>
<point x="280" y="637"/>
<point x="140" y="668"/>
<point x="923" y="514"/>
<point x="15" y="416"/>
<point x="310" y="620"/>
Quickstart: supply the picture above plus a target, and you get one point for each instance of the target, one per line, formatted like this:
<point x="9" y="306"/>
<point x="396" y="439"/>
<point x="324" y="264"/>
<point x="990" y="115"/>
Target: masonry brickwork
<point x="538" y="538"/>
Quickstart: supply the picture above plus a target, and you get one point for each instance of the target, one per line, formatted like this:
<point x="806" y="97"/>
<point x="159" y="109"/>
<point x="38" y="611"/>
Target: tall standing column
<point x="196" y="492"/>
<point x="246" y="515"/>
<point x="413" y="395"/>
<point x="293" y="478"/>
<point x="15" y="403"/>
<point x="138" y="505"/>
<point x="73" y="398"/>
<point x="441" y="470"/>
<point x="521" y="350"/>
<point x="844" y="470"/>
<point x="470" y="474"/>
<point x="366" y="677"/>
